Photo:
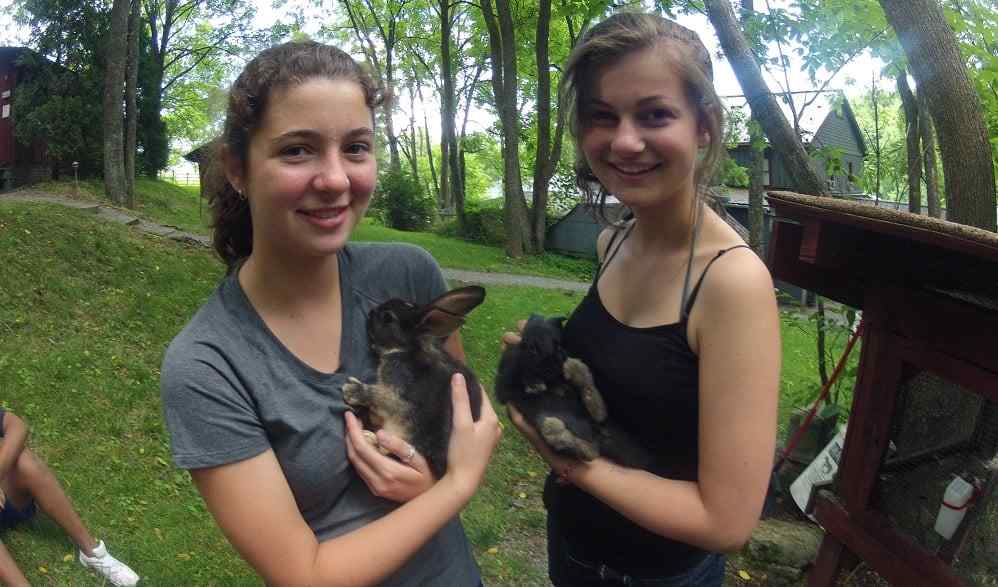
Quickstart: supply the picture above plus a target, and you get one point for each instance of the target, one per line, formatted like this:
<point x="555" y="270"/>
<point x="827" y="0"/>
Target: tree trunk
<point x="877" y="149"/>
<point x="822" y="361"/>
<point x="939" y="70"/>
<point x="394" y="161"/>
<point x="912" y="143"/>
<point x="410" y="141"/>
<point x="455" y="156"/>
<point x="928" y="156"/>
<point x="114" y="87"/>
<point x="762" y="102"/>
<point x="543" y="164"/>
<point x="154" y="129"/>
<point x="429" y="156"/>
<point x="131" y="107"/>
<point x="446" y="107"/>
<point x="393" y="141"/>
<point x="757" y="217"/>
<point x="502" y="45"/>
<point x="757" y="144"/>
<point x="437" y="189"/>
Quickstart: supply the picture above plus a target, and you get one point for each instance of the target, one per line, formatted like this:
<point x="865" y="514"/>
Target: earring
<point x="240" y="193"/>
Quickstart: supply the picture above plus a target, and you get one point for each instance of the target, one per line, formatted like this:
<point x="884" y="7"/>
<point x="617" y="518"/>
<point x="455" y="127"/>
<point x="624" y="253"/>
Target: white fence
<point x="184" y="179"/>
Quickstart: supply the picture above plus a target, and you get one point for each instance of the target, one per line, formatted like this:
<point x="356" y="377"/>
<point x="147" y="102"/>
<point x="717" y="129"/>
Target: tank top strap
<point x="611" y="252"/>
<point x="696" y="289"/>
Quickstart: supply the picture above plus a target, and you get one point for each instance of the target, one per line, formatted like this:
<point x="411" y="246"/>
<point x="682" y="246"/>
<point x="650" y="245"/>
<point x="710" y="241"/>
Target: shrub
<point x="484" y="222"/>
<point x="400" y="203"/>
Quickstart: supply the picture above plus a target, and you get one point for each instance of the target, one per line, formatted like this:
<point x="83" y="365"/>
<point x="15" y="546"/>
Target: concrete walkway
<point x="126" y="217"/>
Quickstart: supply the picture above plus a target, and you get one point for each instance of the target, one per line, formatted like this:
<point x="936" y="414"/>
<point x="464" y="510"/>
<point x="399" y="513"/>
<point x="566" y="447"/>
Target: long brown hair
<point x="610" y="41"/>
<point x="275" y="68"/>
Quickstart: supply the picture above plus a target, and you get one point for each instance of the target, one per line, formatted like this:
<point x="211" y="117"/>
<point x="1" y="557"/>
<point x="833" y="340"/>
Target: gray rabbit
<point x="411" y="397"/>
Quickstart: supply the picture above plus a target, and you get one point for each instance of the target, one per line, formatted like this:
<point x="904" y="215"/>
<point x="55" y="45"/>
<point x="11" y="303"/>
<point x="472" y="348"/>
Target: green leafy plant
<point x="400" y="203"/>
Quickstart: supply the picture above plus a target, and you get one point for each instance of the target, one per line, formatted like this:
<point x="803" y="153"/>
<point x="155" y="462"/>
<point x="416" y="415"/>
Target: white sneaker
<point x="115" y="571"/>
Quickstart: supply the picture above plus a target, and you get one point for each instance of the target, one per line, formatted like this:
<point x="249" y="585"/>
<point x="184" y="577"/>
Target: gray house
<point x="829" y="131"/>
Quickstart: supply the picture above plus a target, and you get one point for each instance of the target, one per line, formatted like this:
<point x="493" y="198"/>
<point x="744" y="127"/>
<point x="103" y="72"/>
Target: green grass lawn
<point x="88" y="310"/>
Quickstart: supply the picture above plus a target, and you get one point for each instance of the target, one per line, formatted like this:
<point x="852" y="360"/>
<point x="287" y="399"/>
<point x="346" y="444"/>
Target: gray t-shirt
<point x="231" y="390"/>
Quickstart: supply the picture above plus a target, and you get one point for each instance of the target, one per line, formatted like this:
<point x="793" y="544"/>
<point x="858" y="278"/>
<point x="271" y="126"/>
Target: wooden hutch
<point x="926" y="395"/>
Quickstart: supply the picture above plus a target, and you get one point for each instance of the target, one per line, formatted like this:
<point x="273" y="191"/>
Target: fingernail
<point x="457" y="379"/>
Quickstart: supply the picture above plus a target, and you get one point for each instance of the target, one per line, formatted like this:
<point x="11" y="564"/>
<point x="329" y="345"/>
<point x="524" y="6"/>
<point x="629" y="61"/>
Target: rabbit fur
<point x="557" y="396"/>
<point x="411" y="397"/>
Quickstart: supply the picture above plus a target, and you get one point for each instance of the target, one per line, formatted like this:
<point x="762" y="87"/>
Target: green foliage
<point x="482" y="164"/>
<point x="400" y="203"/>
<point x="563" y="194"/>
<point x="732" y="174"/>
<point x="975" y="23"/>
<point x="831" y="156"/>
<point x="56" y="106"/>
<point x="483" y="222"/>
<point x="151" y="133"/>
<point x="799" y="383"/>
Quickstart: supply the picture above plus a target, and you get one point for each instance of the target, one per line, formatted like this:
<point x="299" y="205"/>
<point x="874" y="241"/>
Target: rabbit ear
<point x="444" y="315"/>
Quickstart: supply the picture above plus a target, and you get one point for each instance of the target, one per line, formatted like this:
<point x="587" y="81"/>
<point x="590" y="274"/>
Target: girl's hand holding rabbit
<point x="566" y="468"/>
<point x="471" y="444"/>
<point x="471" y="441"/>
<point x="398" y="480"/>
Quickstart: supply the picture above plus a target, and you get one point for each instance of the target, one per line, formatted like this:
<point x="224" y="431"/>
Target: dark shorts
<point x="566" y="570"/>
<point x="11" y="515"/>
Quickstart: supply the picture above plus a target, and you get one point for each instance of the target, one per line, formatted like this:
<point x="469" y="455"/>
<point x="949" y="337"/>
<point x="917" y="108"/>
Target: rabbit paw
<point x="372" y="439"/>
<point x="355" y="393"/>
<point x="535" y="388"/>
<point x="563" y="440"/>
<point x="579" y="374"/>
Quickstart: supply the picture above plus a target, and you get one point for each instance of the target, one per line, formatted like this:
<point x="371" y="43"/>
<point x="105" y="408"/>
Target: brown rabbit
<point x="411" y="397"/>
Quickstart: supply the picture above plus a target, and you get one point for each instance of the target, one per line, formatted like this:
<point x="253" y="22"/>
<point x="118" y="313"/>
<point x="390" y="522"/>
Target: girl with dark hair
<point x="252" y="387"/>
<point x="680" y="327"/>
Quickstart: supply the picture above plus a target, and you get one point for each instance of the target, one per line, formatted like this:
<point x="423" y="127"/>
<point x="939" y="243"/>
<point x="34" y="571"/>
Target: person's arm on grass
<point x="254" y="506"/>
<point x="736" y="328"/>
<point x="14" y="437"/>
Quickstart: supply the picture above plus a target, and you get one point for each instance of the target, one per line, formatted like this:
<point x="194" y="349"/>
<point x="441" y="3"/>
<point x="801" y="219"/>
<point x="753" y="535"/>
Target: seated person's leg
<point x="31" y="482"/>
<point x="9" y="573"/>
<point x="17" y="505"/>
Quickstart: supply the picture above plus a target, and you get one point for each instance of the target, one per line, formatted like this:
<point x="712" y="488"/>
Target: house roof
<point x="11" y="54"/>
<point x="201" y="153"/>
<point x="812" y="108"/>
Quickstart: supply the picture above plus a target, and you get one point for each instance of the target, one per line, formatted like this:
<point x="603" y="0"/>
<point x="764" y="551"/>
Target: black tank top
<point x="649" y="380"/>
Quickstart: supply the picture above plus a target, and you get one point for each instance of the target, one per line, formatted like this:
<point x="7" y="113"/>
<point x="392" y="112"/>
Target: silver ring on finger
<point x="408" y="456"/>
